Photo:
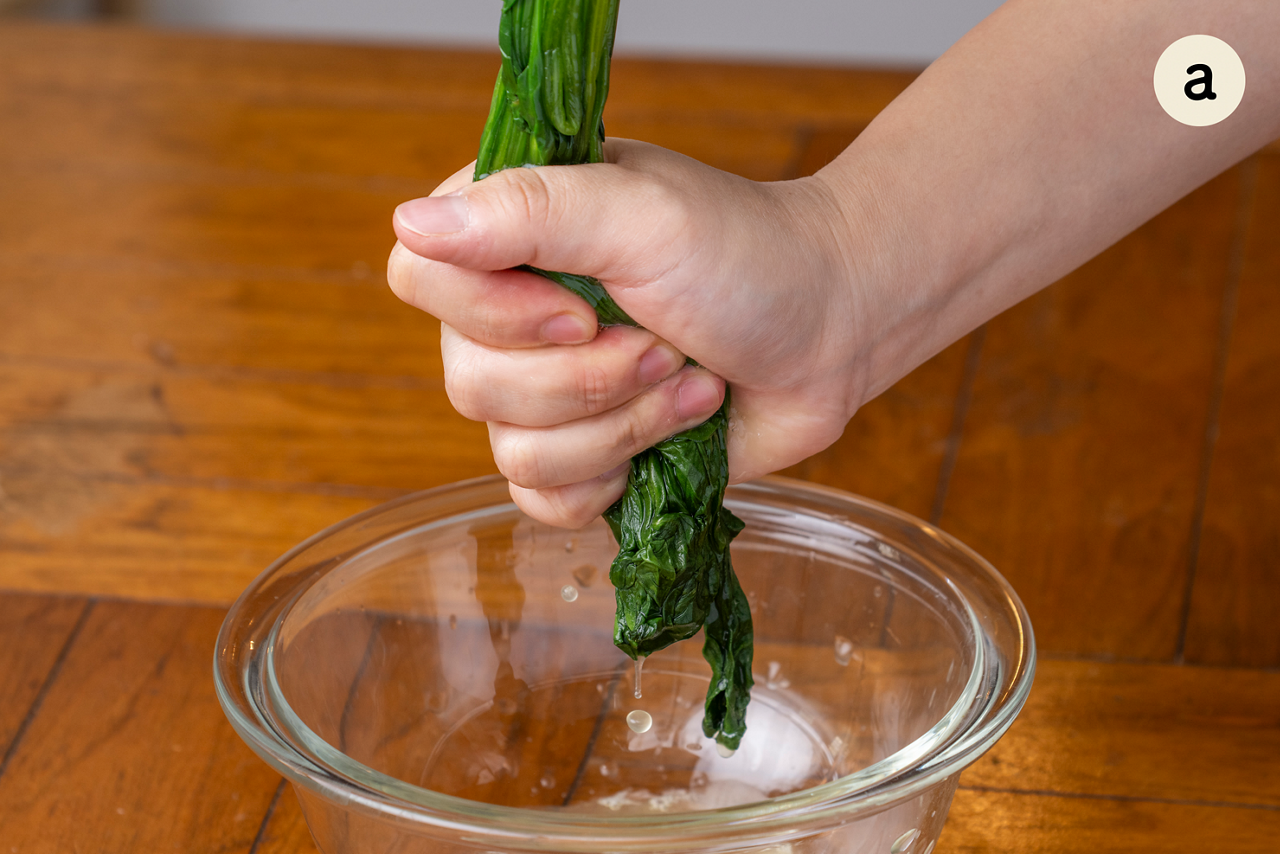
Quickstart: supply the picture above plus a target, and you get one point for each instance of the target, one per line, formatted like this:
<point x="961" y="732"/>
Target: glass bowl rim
<point x="810" y="809"/>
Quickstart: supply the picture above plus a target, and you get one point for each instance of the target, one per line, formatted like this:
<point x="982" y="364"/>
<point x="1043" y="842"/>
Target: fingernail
<point x="698" y="397"/>
<point x="659" y="363"/>
<point x="616" y="471"/>
<point x="434" y="215"/>
<point x="566" y="329"/>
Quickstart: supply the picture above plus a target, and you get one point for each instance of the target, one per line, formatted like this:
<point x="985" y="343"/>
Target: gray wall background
<point x="876" y="32"/>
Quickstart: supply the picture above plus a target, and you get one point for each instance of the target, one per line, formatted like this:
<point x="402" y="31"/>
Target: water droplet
<point x="775" y="679"/>
<point x="599" y="687"/>
<point x="585" y="574"/>
<point x="639" y="667"/>
<point x="726" y="752"/>
<point x="888" y="551"/>
<point x="904" y="842"/>
<point x="453" y="621"/>
<point x="606" y="770"/>
<point x="569" y="593"/>
<point x="639" y="720"/>
<point x="547" y="781"/>
<point x="570" y="546"/>
<point x="844" y="650"/>
<point x="878" y="591"/>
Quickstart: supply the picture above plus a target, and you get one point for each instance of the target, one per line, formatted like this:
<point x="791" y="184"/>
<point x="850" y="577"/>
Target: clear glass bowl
<point x="438" y="675"/>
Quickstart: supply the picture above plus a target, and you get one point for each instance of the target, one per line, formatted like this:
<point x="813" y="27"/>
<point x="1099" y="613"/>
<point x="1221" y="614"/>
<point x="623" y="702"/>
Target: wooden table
<point x="201" y="364"/>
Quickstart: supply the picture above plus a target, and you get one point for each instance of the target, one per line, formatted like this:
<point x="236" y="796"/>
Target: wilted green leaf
<point x="672" y="575"/>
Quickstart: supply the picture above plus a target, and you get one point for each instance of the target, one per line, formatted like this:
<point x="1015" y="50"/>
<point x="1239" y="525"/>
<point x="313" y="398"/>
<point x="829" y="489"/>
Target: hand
<point x="748" y="279"/>
<point x="812" y="296"/>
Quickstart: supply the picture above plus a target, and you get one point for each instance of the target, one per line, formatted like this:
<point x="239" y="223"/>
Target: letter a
<point x="1205" y="79"/>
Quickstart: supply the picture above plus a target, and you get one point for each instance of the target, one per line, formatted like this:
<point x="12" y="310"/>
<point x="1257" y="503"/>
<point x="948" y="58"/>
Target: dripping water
<point x="639" y="720"/>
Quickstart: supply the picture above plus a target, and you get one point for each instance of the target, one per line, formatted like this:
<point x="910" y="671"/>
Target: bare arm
<point x="1030" y="146"/>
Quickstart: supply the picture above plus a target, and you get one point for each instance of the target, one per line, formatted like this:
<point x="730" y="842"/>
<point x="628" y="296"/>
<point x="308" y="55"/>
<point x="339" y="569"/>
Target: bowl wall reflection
<point x="438" y="675"/>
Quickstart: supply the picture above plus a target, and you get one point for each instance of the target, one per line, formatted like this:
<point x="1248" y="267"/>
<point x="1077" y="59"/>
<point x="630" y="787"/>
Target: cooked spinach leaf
<point x="672" y="575"/>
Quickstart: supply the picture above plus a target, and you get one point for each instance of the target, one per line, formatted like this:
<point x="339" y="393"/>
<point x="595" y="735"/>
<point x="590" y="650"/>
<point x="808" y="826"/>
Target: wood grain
<point x="173" y="216"/>
<point x="200" y="365"/>
<point x="130" y="751"/>
<point x="893" y="449"/>
<point x="1235" y="603"/>
<point x="1077" y="471"/>
<point x="806" y="95"/>
<point x="219" y="322"/>
<point x="821" y="145"/>
<point x="285" y="830"/>
<point x="987" y="822"/>
<point x="34" y="631"/>
<point x="156" y="539"/>
<point x="91" y="422"/>
<point x="1195" y="734"/>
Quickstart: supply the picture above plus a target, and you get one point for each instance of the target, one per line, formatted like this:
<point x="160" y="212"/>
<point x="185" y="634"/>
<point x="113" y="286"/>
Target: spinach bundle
<point x="672" y="574"/>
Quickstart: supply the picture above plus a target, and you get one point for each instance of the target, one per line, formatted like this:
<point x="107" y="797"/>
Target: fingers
<point x="541" y="457"/>
<point x="576" y="504"/>
<point x="552" y="385"/>
<point x="601" y="220"/>
<point x="497" y="307"/>
<point x="507" y="308"/>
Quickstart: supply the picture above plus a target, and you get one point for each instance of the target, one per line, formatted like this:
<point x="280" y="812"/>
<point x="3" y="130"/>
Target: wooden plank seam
<point x="49" y="679"/>
<point x="963" y="397"/>
<point x="266" y="818"/>
<point x="1230" y="300"/>
<point x="1103" y="796"/>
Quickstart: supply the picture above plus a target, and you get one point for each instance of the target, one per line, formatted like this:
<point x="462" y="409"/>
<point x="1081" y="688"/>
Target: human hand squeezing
<point x="809" y="297"/>
<point x="729" y="272"/>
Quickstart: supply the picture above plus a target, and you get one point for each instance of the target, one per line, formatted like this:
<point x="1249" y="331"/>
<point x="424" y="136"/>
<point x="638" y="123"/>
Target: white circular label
<point x="1199" y="80"/>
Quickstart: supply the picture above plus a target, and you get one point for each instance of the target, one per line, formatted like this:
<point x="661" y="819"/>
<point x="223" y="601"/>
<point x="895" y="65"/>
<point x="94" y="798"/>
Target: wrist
<point x="903" y="268"/>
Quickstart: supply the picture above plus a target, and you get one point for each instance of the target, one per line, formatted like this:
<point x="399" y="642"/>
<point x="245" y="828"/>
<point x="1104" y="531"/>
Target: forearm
<point x="1029" y="147"/>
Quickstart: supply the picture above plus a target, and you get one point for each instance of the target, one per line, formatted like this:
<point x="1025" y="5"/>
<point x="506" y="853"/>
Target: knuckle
<point x="630" y="432"/>
<point x="516" y="455"/>
<point x="572" y="515"/>
<point x="572" y="506"/>
<point x="678" y="226"/>
<point x="676" y="208"/>
<point x="484" y="325"/>
<point x="400" y="273"/>
<point x="528" y="195"/>
<point x="595" y="390"/>
<point x="464" y="392"/>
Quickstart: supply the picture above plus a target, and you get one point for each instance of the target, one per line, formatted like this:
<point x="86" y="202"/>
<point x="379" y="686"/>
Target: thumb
<point x="599" y="220"/>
